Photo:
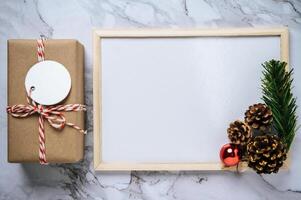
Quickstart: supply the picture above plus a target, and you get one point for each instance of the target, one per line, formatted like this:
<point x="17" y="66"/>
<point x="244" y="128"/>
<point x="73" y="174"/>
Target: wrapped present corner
<point x="62" y="146"/>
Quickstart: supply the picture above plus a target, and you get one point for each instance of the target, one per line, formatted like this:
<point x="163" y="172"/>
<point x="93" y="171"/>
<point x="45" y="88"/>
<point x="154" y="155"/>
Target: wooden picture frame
<point x="99" y="34"/>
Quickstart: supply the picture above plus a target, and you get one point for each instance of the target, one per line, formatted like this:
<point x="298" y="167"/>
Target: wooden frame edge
<point x="284" y="46"/>
<point x="242" y="167"/>
<point x="214" y="32"/>
<point x="158" y="167"/>
<point x="111" y="33"/>
<point x="96" y="102"/>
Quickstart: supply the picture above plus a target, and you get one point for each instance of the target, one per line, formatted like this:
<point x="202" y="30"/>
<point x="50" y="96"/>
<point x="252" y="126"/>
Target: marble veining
<point x="75" y="19"/>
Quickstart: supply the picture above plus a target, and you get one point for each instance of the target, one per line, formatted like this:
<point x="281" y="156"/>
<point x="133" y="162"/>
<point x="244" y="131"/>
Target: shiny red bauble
<point x="230" y="154"/>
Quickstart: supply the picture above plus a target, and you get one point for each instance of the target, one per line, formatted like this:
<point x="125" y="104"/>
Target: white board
<point x="172" y="99"/>
<point x="163" y="99"/>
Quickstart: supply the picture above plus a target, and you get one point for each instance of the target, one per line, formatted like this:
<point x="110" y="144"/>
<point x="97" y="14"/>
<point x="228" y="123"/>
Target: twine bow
<point x="53" y="114"/>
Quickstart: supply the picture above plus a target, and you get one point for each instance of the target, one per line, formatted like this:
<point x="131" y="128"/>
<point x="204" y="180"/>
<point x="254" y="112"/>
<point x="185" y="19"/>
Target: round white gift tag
<point x="49" y="82"/>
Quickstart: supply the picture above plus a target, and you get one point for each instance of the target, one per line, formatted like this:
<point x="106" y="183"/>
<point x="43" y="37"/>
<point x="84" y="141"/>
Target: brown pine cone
<point x="239" y="133"/>
<point x="259" y="116"/>
<point x="266" y="154"/>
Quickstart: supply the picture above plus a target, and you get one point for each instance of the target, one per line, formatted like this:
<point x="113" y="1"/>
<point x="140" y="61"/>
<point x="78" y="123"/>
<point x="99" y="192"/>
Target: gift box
<point x="62" y="146"/>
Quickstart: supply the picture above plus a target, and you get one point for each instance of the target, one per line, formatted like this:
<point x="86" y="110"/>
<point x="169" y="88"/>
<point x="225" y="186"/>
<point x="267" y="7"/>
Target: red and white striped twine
<point x="41" y="49"/>
<point x="53" y="114"/>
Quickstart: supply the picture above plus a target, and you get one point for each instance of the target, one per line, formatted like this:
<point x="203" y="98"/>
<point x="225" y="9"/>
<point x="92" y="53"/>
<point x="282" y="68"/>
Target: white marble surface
<point x="75" y="19"/>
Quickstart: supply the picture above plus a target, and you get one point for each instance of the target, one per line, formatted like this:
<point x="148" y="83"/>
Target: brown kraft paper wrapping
<point x="65" y="146"/>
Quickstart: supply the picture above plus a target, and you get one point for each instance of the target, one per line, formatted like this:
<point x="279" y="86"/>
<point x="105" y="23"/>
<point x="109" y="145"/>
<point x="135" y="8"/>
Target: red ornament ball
<point x="230" y="154"/>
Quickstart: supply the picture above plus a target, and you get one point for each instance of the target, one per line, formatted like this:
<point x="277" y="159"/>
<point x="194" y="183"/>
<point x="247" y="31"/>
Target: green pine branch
<point x="276" y="87"/>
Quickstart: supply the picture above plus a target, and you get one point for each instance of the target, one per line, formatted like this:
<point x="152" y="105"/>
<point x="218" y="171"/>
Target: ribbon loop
<point x="57" y="121"/>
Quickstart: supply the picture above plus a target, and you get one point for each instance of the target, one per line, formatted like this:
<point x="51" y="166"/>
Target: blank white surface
<point x="170" y="100"/>
<point x="51" y="81"/>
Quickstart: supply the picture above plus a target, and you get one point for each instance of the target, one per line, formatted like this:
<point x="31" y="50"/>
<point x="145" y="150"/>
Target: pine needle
<point x="277" y="93"/>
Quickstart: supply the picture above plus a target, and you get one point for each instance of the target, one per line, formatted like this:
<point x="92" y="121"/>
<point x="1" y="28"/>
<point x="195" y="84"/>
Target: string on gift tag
<point x="53" y="114"/>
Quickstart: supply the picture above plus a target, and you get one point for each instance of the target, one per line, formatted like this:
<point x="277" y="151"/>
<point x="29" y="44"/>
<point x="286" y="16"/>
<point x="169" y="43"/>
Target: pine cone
<point x="266" y="154"/>
<point x="239" y="133"/>
<point x="259" y="116"/>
